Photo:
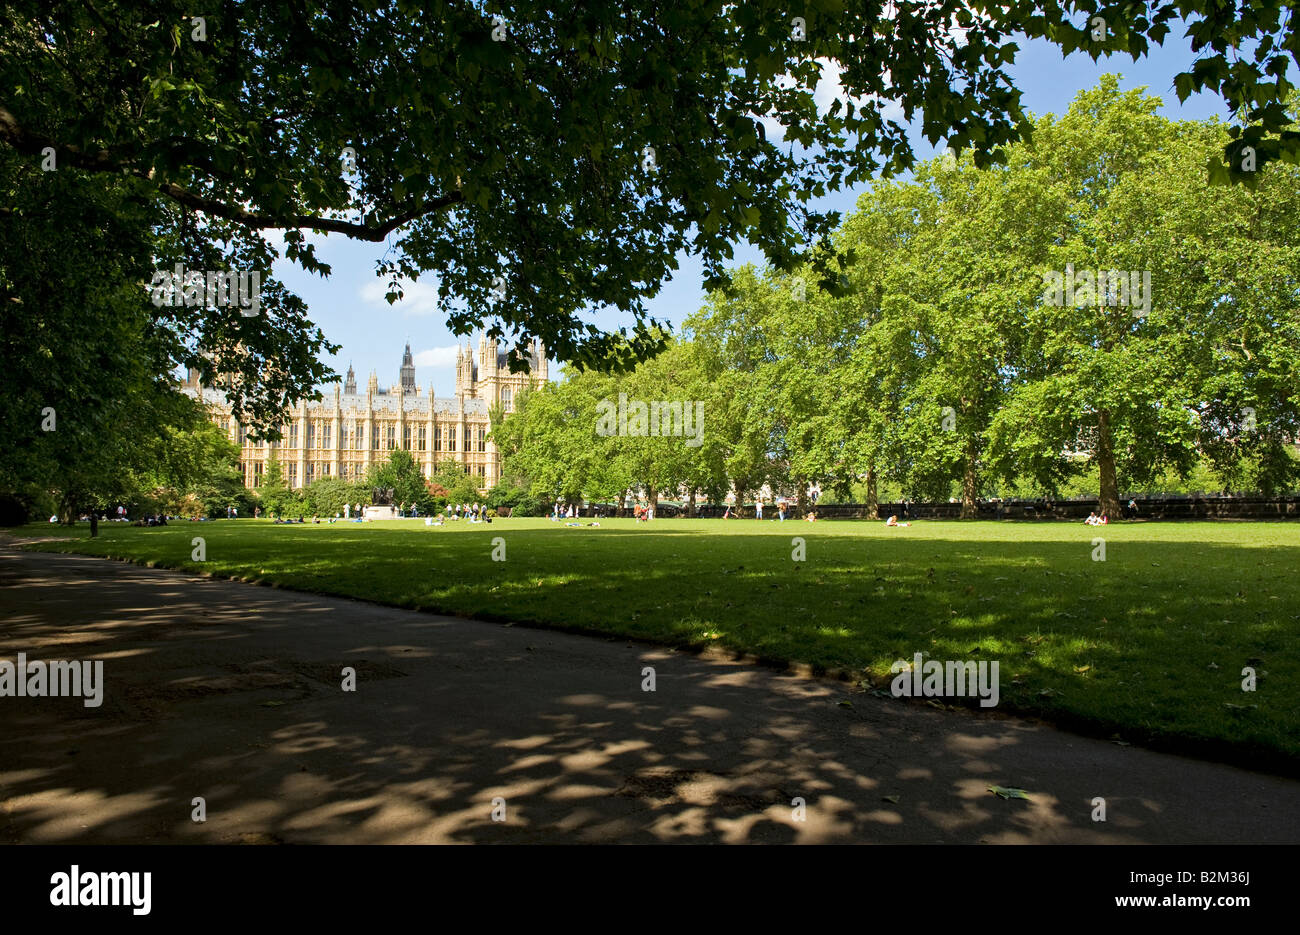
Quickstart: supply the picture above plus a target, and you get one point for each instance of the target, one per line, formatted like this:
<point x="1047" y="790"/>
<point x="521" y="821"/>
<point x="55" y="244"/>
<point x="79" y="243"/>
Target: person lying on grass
<point x="893" y="521"/>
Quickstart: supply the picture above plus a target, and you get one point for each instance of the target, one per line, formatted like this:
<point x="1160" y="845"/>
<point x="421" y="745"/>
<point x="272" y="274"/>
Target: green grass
<point x="1149" y="643"/>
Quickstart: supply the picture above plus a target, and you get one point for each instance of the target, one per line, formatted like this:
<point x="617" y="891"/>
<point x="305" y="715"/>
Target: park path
<point x="232" y="692"/>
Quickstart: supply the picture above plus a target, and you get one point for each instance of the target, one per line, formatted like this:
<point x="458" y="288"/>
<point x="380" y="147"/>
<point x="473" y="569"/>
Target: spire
<point x="408" y="372"/>
<point x="350" y="385"/>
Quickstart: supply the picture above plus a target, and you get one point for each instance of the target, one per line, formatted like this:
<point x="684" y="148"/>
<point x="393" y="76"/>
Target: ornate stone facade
<point x="346" y="431"/>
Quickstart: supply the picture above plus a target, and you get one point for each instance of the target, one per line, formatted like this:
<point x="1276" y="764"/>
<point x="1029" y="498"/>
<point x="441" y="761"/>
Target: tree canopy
<point x="1089" y="306"/>
<point x="544" y="161"/>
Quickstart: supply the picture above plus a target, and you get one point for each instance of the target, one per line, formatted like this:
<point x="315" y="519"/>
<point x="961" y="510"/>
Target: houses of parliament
<point x="345" y="432"/>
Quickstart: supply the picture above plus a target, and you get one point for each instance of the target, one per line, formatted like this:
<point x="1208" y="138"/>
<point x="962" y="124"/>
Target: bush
<point x="517" y="499"/>
<point x="329" y="495"/>
<point x="529" y="505"/>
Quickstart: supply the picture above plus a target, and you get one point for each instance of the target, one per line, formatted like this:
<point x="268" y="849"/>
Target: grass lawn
<point x="1148" y="644"/>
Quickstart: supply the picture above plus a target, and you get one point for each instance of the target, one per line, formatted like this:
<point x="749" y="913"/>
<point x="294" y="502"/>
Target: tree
<point x="274" y="493"/>
<point x="402" y="475"/>
<point x="543" y="161"/>
<point x="1150" y="372"/>
<point x="329" y="495"/>
<point x="195" y="470"/>
<point x="455" y="479"/>
<point x="551" y="440"/>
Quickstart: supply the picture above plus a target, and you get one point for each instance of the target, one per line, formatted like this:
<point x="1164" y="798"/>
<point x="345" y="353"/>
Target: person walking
<point x="758" y="508"/>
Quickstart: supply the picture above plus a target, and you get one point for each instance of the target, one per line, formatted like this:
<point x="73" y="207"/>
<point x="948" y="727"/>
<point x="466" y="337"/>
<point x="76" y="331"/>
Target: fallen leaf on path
<point x="1005" y="793"/>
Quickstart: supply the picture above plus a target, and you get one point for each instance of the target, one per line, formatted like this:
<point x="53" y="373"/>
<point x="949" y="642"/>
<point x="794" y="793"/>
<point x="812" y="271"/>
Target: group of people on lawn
<point x="782" y="508"/>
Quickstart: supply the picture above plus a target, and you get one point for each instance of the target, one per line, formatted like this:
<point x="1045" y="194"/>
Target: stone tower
<point x="350" y="385"/>
<point x="408" y="372"/>
<point x="464" y="372"/>
<point x="487" y="375"/>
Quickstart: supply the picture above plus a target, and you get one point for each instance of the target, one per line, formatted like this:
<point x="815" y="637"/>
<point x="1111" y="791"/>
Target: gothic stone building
<point x="346" y="432"/>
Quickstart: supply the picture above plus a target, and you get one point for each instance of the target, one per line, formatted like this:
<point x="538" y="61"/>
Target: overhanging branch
<point x="24" y="141"/>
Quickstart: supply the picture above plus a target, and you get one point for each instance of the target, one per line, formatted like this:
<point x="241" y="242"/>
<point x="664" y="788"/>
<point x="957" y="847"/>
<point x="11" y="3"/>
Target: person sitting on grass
<point x="811" y="517"/>
<point x="893" y="521"/>
<point x="1091" y="520"/>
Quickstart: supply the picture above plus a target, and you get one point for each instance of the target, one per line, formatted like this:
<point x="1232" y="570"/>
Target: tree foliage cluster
<point x="948" y="361"/>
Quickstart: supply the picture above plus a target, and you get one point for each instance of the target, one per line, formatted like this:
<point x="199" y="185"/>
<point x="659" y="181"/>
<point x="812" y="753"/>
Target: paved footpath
<point x="233" y="692"/>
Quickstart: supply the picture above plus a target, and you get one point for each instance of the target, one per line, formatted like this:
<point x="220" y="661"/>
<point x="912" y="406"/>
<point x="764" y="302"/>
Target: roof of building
<point x="381" y="402"/>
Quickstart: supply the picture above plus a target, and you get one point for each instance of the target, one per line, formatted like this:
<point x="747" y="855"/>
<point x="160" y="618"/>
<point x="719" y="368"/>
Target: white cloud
<point x="436" y="357"/>
<point x="418" y="299"/>
<point x="829" y="89"/>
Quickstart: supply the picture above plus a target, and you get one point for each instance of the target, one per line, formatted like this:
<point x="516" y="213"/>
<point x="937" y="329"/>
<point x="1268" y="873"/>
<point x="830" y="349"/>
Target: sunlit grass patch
<point x="1150" y="643"/>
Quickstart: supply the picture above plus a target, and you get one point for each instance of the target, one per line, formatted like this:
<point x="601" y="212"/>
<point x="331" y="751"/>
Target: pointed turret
<point x="408" y="372"/>
<point x="350" y="384"/>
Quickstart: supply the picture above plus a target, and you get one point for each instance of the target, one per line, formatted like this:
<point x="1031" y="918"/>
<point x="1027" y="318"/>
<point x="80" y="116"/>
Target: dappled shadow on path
<point x="233" y="693"/>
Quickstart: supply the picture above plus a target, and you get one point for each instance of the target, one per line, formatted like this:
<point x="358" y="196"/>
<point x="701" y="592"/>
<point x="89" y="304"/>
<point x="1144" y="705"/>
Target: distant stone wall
<point x="1171" y="507"/>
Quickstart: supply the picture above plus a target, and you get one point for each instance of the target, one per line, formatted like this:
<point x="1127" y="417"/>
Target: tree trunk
<point x="873" y="498"/>
<point x="690" y="504"/>
<point x="653" y="497"/>
<point x="969" y="481"/>
<point x="1108" y="501"/>
<point x="68" y="510"/>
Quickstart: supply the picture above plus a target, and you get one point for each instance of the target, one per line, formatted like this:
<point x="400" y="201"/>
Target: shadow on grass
<point x="233" y="694"/>
<point x="1149" y="644"/>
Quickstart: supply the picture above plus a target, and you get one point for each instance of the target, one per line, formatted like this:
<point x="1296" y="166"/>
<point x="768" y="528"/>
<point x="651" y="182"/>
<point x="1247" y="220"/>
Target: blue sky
<point x="350" y="307"/>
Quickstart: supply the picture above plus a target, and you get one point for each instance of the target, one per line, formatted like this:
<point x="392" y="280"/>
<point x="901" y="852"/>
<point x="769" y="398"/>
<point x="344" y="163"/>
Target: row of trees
<point x="565" y="162"/>
<point x="951" y="360"/>
<point x="450" y="483"/>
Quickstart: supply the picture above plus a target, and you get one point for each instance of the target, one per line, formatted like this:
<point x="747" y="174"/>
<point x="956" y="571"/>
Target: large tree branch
<point x="24" y="141"/>
<point x="357" y="231"/>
